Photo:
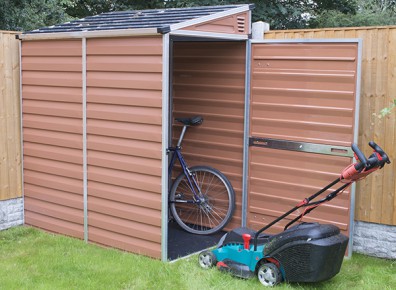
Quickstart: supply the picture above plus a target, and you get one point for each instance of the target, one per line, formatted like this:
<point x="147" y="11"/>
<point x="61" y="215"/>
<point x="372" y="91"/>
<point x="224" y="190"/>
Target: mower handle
<point x="377" y="159"/>
<point x="359" y="166"/>
<point x="384" y="158"/>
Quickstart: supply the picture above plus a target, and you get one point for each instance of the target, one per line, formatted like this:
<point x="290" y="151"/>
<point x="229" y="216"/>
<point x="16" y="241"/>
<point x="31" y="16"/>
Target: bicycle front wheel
<point x="212" y="207"/>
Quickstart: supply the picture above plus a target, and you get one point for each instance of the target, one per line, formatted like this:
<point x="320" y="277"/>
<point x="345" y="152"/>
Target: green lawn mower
<point x="306" y="252"/>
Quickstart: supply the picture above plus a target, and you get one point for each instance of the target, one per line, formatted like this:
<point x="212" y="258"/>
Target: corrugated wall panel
<point x="311" y="69"/>
<point x="59" y="109"/>
<point x="126" y="195"/>
<point x="60" y="168"/>
<point x="280" y="179"/>
<point x="52" y="133"/>
<point x="375" y="196"/>
<point x="46" y="180"/>
<point x="128" y="243"/>
<point x="53" y="224"/>
<point x="53" y="195"/>
<point x="52" y="78"/>
<point x="50" y="48"/>
<point x="43" y="93"/>
<point x="130" y="97"/>
<point x="124" y="146"/>
<point x="62" y="139"/>
<point x="51" y="123"/>
<point x="124" y="125"/>
<point x="209" y="80"/>
<point x="57" y="63"/>
<point x="138" y="131"/>
<point x="142" y="46"/>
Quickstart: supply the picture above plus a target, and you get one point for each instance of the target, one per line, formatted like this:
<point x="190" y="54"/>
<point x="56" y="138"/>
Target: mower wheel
<point x="207" y="259"/>
<point x="269" y="274"/>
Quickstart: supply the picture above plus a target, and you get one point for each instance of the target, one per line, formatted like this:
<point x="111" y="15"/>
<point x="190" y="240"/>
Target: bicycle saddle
<point x="193" y="121"/>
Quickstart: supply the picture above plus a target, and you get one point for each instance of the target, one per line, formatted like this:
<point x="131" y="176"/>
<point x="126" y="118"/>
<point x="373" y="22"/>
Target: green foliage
<point x="280" y="14"/>
<point x="343" y="6"/>
<point x="378" y="5"/>
<point x="387" y="110"/>
<point x="32" y="14"/>
<point x="83" y="8"/>
<point x="337" y="19"/>
<point x="368" y="13"/>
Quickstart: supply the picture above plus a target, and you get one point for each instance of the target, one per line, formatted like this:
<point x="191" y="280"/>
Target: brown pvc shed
<point x="99" y="95"/>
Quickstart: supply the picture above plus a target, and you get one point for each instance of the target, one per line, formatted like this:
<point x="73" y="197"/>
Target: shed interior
<point x="208" y="79"/>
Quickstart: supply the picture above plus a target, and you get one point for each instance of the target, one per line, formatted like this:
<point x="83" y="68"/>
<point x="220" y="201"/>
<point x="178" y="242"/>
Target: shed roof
<point x="160" y="19"/>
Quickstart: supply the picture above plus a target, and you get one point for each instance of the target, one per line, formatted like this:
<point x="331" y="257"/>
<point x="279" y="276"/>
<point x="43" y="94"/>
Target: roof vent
<point x="241" y="23"/>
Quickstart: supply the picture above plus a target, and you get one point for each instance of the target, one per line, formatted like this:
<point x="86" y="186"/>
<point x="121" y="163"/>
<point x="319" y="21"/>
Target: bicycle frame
<point x="201" y="199"/>
<point x="176" y="153"/>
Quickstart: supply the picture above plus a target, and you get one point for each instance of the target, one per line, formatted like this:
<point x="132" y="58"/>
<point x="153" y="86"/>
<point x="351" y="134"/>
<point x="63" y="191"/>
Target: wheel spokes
<point x="209" y="208"/>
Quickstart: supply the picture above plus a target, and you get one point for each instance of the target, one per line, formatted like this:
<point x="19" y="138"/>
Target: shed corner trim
<point x="163" y="29"/>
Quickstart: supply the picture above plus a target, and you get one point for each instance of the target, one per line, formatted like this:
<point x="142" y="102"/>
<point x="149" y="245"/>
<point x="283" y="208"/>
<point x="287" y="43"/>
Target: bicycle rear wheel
<point x="216" y="205"/>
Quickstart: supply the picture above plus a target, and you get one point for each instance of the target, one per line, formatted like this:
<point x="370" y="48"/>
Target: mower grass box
<point x="308" y="252"/>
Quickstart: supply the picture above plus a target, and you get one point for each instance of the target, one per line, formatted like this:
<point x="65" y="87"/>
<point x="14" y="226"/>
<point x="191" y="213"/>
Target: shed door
<point x="302" y="123"/>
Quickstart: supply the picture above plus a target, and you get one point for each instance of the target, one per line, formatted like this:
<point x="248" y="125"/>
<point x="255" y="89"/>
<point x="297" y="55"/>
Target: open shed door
<point x="303" y="118"/>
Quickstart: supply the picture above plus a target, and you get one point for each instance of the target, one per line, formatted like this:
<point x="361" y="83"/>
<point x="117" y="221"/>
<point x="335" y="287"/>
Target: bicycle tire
<point x="214" y="213"/>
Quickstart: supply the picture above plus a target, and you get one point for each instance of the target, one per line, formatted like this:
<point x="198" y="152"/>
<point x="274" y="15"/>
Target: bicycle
<point x="201" y="199"/>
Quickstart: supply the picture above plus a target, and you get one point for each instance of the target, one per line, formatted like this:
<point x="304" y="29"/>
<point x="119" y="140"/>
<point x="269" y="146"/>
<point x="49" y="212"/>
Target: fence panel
<point x="10" y="128"/>
<point x="375" y="196"/>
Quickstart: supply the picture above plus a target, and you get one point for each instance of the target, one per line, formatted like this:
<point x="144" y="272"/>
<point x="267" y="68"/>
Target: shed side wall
<point x="124" y="127"/>
<point x="52" y="134"/>
<point x="209" y="80"/>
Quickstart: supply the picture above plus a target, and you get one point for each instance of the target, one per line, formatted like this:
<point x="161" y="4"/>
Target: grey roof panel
<point x="135" y="19"/>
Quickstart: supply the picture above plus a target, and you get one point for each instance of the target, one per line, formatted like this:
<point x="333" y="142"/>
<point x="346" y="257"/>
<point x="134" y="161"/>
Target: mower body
<point x="308" y="252"/>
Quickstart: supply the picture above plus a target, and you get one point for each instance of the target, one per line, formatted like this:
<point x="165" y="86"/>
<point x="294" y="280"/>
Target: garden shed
<point x="99" y="96"/>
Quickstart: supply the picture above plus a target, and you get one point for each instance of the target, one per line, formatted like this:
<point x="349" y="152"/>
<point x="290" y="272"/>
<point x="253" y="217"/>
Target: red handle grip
<point x="349" y="172"/>
<point x="246" y="239"/>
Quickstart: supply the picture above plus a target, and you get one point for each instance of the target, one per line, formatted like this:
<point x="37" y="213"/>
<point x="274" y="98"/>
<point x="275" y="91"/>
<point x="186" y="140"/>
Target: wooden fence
<point x="375" y="196"/>
<point x="10" y="140"/>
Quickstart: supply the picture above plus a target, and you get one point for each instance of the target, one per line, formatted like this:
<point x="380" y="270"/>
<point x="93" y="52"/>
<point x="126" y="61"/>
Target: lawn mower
<point x="306" y="252"/>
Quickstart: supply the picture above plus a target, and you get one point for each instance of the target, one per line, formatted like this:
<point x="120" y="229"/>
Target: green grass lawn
<point x="33" y="259"/>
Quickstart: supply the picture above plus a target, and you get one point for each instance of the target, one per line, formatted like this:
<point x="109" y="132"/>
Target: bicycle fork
<point x="192" y="182"/>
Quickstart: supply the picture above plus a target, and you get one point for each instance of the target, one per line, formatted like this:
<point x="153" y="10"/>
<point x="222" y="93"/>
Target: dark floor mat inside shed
<point x="181" y="243"/>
